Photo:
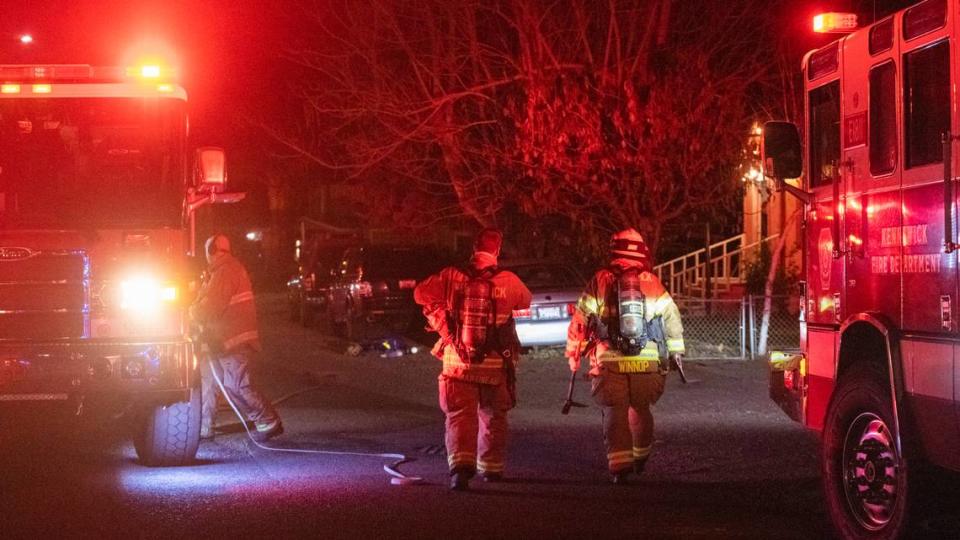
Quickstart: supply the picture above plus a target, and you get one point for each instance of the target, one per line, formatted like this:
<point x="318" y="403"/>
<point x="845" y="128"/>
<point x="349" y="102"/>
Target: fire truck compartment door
<point x="928" y="377"/>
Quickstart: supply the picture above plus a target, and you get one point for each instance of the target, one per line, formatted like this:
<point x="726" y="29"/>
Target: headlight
<point x="143" y="294"/>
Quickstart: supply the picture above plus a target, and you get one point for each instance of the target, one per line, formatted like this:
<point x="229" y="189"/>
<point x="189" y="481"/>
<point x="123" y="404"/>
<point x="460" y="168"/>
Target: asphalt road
<point x="727" y="463"/>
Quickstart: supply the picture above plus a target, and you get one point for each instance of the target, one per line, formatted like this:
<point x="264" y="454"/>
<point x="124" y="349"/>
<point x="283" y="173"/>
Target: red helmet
<point x="629" y="244"/>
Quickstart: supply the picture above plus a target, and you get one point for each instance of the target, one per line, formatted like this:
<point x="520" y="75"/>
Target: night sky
<point x="223" y="48"/>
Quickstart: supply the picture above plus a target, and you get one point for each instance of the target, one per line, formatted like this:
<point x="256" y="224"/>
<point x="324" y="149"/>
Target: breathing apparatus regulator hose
<point x="393" y="469"/>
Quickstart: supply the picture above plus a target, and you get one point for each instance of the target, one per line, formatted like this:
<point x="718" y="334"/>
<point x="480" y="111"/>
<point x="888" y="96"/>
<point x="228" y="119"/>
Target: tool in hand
<point x="573" y="379"/>
<point x="570" y="402"/>
<point x="676" y="361"/>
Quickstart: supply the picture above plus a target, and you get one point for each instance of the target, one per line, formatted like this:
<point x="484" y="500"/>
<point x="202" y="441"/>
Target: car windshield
<point x="91" y="162"/>
<point x="547" y="276"/>
<point x="400" y="263"/>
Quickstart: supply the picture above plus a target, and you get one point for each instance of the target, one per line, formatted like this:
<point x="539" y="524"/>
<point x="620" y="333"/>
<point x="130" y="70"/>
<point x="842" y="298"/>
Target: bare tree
<point x="407" y="95"/>
<point x="613" y="113"/>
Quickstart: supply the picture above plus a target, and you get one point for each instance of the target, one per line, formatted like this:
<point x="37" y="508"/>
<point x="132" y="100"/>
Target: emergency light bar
<point x="825" y="23"/>
<point x="82" y="73"/>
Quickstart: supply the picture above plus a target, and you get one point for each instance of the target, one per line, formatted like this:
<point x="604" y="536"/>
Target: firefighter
<point x="471" y="308"/>
<point x="629" y="326"/>
<point x="226" y="313"/>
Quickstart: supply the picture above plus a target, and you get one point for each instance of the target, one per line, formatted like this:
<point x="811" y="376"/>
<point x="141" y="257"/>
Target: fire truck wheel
<point x="169" y="434"/>
<point x="866" y="481"/>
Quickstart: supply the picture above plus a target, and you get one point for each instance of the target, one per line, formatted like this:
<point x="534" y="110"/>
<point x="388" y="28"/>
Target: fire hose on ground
<point x="393" y="469"/>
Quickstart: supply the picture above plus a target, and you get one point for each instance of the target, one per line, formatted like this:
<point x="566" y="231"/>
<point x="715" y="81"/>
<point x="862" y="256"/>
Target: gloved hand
<point x="463" y="353"/>
<point x="676" y="364"/>
<point x="573" y="361"/>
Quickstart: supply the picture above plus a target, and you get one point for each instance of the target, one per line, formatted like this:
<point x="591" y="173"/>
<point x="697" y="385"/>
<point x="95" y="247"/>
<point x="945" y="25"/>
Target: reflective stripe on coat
<point x="225" y="307"/>
<point x="592" y="303"/>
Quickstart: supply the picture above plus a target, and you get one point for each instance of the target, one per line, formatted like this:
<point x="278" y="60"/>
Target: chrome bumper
<point x="31" y="371"/>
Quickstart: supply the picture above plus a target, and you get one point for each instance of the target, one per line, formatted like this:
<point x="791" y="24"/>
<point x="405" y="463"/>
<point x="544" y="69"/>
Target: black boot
<point x="639" y="465"/>
<point x="492" y="477"/>
<point x="459" y="481"/>
<point x="620" y="478"/>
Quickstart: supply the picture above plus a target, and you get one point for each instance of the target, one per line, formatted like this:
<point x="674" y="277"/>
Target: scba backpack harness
<point x="627" y="326"/>
<point x="475" y="315"/>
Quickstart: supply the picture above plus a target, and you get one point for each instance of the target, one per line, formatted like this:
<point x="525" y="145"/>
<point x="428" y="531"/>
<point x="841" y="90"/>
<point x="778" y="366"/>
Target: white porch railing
<point x="686" y="275"/>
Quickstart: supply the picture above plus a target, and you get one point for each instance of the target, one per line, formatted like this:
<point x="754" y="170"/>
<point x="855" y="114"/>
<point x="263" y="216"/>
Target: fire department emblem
<point x="15" y="253"/>
<point x="825" y="252"/>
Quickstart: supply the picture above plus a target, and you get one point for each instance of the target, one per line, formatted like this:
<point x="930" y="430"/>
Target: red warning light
<point x="835" y="22"/>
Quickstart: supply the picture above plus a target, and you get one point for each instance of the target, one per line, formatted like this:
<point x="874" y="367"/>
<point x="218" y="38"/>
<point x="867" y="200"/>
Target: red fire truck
<point x="98" y="195"/>
<point x="879" y="371"/>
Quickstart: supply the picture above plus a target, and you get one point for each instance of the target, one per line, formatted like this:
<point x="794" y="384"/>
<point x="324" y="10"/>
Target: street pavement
<point x="726" y="464"/>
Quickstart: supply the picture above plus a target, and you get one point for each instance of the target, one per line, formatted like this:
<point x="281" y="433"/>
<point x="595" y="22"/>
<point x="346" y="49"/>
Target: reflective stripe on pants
<point x="625" y="399"/>
<point x="476" y="424"/>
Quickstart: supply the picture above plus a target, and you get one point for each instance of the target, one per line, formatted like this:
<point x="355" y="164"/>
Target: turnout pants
<point x="233" y="368"/>
<point x="625" y="399"/>
<point x="476" y="426"/>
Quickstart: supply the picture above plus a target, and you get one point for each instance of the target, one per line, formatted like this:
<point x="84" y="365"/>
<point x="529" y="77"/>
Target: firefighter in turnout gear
<point x="629" y="326"/>
<point x="226" y="313"/>
<point x="471" y="308"/>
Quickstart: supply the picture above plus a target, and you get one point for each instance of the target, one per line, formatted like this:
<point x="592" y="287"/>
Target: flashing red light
<point x="834" y="22"/>
<point x="522" y="313"/>
<point x="26" y="39"/>
<point x="149" y="72"/>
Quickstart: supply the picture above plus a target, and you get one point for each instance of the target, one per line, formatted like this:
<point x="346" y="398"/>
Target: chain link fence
<point x="783" y="333"/>
<point x="725" y="329"/>
<point x="714" y="328"/>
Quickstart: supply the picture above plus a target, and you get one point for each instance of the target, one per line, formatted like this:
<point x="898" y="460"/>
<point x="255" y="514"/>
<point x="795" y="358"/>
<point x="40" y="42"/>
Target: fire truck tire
<point x="169" y="434"/>
<point x="867" y="485"/>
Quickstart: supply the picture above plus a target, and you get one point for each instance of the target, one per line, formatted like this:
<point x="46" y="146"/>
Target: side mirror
<point x="780" y="150"/>
<point x="782" y="157"/>
<point x="211" y="172"/>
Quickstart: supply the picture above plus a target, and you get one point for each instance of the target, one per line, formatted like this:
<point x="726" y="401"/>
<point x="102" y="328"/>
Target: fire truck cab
<point x="98" y="195"/>
<point x="879" y="371"/>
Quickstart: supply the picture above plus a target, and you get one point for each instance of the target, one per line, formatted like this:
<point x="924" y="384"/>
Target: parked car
<point x="309" y="290"/>
<point x="556" y="287"/>
<point x="374" y="287"/>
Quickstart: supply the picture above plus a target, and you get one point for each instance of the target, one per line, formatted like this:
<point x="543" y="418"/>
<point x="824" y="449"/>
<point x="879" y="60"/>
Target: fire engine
<point x="879" y="370"/>
<point x="98" y="198"/>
